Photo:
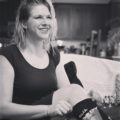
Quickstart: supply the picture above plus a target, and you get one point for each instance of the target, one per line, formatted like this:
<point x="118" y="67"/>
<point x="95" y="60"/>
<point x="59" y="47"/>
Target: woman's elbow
<point x="1" y="115"/>
<point x="3" y="110"/>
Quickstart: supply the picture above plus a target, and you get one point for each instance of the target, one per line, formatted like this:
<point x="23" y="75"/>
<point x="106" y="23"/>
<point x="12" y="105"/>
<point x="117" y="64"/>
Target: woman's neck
<point x="34" y="47"/>
<point x="37" y="42"/>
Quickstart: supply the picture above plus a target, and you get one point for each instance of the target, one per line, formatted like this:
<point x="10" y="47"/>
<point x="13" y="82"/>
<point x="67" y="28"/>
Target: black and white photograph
<point x="59" y="59"/>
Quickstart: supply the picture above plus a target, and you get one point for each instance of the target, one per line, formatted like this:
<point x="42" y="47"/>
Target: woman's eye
<point x="41" y="17"/>
<point x="38" y="17"/>
<point x="49" y="17"/>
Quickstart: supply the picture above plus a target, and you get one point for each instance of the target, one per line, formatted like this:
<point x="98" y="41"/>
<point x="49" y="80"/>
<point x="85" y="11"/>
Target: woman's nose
<point x="45" y="21"/>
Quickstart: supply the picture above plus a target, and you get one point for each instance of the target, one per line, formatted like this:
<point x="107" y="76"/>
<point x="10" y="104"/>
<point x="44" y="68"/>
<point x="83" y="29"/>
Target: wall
<point x="114" y="20"/>
<point x="75" y="21"/>
<point x="7" y="16"/>
<point x="83" y="1"/>
<point x="115" y="9"/>
<point x="3" y="13"/>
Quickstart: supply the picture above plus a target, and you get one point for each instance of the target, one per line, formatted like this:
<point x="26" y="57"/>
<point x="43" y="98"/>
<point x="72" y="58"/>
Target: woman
<point x="31" y="74"/>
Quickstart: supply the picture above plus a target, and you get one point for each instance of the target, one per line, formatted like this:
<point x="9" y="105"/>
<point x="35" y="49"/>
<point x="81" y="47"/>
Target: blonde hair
<point x="22" y="16"/>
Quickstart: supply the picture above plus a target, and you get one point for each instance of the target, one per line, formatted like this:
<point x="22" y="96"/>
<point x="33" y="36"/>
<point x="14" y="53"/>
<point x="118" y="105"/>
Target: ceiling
<point x="3" y="0"/>
<point x="83" y="1"/>
<point x="80" y="1"/>
<point x="115" y="1"/>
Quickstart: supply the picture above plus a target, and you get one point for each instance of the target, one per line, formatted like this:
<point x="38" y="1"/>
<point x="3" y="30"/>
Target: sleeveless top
<point x="31" y="84"/>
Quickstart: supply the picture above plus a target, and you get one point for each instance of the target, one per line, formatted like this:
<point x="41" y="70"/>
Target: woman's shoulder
<point x="54" y="52"/>
<point x="7" y="49"/>
<point x="8" y="53"/>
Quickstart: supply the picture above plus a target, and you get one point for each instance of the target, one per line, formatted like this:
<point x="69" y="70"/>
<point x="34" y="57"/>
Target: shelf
<point x="116" y="58"/>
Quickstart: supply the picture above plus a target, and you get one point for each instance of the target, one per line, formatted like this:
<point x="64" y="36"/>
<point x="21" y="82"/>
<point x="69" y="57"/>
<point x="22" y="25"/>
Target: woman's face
<point x="39" y="23"/>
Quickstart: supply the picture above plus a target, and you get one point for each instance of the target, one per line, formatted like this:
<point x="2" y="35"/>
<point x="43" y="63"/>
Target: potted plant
<point x="113" y="38"/>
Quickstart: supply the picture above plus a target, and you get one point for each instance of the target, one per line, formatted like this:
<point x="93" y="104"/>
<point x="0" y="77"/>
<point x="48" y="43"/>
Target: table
<point x="113" y="112"/>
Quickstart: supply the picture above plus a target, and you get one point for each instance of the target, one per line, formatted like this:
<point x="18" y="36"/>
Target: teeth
<point x="44" y="30"/>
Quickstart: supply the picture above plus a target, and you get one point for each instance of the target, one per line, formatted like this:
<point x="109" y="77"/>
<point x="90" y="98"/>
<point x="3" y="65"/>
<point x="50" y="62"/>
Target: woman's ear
<point x="24" y="25"/>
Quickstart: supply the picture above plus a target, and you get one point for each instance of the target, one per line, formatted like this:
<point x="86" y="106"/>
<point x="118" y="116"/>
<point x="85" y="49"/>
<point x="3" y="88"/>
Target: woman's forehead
<point x="39" y="9"/>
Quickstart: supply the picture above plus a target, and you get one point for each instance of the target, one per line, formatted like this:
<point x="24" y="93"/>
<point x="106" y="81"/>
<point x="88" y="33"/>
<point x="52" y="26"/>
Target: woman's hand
<point x="63" y="107"/>
<point x="90" y="115"/>
<point x="96" y="97"/>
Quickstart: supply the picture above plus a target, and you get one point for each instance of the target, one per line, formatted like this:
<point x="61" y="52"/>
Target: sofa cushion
<point x="95" y="73"/>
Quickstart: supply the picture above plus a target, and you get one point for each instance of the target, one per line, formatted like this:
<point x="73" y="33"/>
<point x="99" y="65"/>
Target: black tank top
<point x="30" y="83"/>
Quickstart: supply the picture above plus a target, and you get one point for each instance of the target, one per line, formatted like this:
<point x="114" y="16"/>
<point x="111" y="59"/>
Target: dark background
<point x="75" y="21"/>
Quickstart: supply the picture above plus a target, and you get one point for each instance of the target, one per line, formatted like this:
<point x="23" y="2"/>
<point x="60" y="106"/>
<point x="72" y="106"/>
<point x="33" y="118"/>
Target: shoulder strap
<point x="54" y="52"/>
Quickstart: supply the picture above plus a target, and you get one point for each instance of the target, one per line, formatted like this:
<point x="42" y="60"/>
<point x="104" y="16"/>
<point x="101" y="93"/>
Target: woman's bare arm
<point x="9" y="109"/>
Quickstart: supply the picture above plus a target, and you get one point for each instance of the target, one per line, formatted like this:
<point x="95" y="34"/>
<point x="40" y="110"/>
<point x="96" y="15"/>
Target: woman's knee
<point x="75" y="87"/>
<point x="63" y="93"/>
<point x="69" y="93"/>
<point x="77" y="92"/>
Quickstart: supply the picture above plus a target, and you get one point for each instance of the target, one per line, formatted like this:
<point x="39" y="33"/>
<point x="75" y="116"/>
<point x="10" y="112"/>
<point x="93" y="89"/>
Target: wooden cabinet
<point x="76" y="21"/>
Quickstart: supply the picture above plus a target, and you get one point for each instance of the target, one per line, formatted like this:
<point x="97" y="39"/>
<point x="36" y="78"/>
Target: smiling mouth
<point x="44" y="30"/>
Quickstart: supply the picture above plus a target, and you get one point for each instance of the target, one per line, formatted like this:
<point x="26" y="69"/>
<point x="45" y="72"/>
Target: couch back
<point x="95" y="73"/>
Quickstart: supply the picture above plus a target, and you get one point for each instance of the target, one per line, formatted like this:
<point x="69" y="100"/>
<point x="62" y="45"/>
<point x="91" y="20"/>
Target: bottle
<point x="117" y="89"/>
<point x="71" y="70"/>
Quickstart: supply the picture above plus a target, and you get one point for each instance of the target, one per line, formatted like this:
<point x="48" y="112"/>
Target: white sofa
<point x="95" y="73"/>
